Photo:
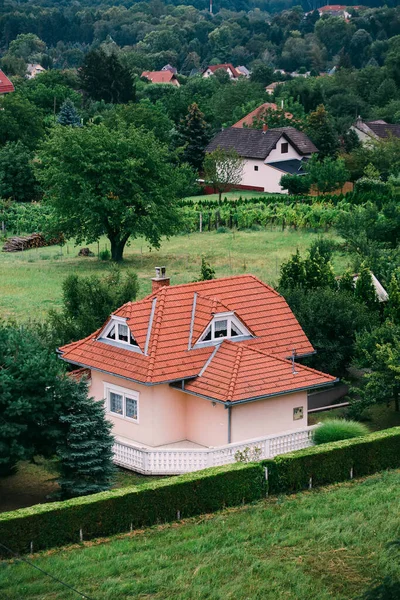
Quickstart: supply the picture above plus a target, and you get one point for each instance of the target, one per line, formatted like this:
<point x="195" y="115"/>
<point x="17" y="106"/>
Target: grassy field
<point x="328" y="544"/>
<point x="31" y="281"/>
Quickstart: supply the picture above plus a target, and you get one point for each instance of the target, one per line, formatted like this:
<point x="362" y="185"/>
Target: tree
<point x="295" y="184"/>
<point x="207" y="272"/>
<point x="262" y="74"/>
<point x="364" y="290"/>
<point x="20" y="120"/>
<point x="120" y="183"/>
<point x="88" y="302"/>
<point x="194" y="133"/>
<point x="313" y="272"/>
<point x="26" y="46"/>
<point x="104" y="77"/>
<point x="17" y="179"/>
<point x="33" y="394"/>
<point x="327" y="175"/>
<point x="68" y="114"/>
<point x="346" y="282"/>
<point x="293" y="273"/>
<point x="223" y="169"/>
<point x="392" y="308"/>
<point x="322" y="132"/>
<point x="86" y="449"/>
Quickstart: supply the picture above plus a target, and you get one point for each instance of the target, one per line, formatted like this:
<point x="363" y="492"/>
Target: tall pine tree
<point x="194" y="133"/>
<point x="68" y="114"/>
<point x="365" y="290"/>
<point x="322" y="131"/>
<point x="86" y="450"/>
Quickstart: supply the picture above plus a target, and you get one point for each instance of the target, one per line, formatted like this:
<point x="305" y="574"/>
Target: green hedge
<point x="117" y="511"/>
<point x="331" y="463"/>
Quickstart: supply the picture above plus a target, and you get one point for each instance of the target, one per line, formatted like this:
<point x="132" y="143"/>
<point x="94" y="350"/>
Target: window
<point x="118" y="331"/>
<point x="284" y="148"/>
<point x="297" y="413"/>
<point x="121" y="402"/>
<point x="256" y="167"/>
<point x="223" y="326"/>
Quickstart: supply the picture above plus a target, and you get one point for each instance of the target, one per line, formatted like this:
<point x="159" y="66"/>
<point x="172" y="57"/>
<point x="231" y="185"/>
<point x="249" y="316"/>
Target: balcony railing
<point x="174" y="461"/>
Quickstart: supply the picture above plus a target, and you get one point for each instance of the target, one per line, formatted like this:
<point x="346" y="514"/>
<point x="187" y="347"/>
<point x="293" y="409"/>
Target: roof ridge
<point x="235" y="372"/>
<point x="157" y="327"/>
<point x="181" y="285"/>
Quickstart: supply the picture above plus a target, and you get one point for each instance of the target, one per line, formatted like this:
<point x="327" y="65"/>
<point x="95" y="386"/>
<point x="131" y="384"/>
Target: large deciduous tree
<point x="17" y="179"/>
<point x="120" y="183"/>
<point x="223" y="169"/>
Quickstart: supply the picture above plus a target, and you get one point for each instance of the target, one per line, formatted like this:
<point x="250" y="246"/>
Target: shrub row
<point x="118" y="511"/>
<point x="29" y="217"/>
<point x="334" y="462"/>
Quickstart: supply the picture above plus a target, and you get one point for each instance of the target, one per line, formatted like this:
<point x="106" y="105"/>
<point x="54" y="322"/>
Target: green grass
<point x="327" y="544"/>
<point x="33" y="483"/>
<point x="376" y="417"/>
<point x="334" y="430"/>
<point x="31" y="281"/>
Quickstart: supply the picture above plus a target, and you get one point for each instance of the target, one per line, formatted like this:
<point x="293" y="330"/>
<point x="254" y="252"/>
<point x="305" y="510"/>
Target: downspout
<point x="229" y="408"/>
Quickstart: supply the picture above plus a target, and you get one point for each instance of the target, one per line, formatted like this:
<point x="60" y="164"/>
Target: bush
<point x="334" y="430"/>
<point x="117" y="511"/>
<point x="334" y="462"/>
<point x="105" y="254"/>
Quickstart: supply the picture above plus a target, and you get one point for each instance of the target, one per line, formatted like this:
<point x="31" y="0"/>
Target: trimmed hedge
<point x="118" y="511"/>
<point x="333" y="462"/>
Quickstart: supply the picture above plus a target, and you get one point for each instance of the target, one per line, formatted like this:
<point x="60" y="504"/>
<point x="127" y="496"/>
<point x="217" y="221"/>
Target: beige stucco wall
<point x="168" y="415"/>
<point x="161" y="411"/>
<point x="268" y="416"/>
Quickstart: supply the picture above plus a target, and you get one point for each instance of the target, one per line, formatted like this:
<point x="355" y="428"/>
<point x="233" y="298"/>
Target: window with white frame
<point x="122" y="402"/>
<point x="224" y="326"/>
<point x="118" y="331"/>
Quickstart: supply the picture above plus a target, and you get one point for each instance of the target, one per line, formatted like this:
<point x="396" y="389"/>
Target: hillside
<point x="330" y="544"/>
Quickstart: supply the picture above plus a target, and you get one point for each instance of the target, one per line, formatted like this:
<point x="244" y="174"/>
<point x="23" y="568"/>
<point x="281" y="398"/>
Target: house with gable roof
<point x="268" y="154"/>
<point x="227" y="67"/>
<point x="6" y="86"/>
<point x="166" y="77"/>
<point x="194" y="372"/>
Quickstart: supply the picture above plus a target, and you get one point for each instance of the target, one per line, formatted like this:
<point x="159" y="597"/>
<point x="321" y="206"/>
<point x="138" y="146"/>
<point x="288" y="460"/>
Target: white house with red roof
<point x="193" y="373"/>
<point x="227" y="67"/>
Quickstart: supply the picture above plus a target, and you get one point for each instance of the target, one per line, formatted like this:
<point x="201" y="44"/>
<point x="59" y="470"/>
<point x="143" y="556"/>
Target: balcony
<point x="186" y="456"/>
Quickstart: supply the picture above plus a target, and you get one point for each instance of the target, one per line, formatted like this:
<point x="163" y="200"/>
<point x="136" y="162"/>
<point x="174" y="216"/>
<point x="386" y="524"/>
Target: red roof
<point x="225" y="67"/>
<point x="5" y="84"/>
<point x="159" y="76"/>
<point x="172" y="320"/>
<point x="258" y="114"/>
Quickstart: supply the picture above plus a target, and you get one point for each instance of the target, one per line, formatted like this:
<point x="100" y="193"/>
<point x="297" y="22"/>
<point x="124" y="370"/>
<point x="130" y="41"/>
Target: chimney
<point x="265" y="127"/>
<point x="160" y="280"/>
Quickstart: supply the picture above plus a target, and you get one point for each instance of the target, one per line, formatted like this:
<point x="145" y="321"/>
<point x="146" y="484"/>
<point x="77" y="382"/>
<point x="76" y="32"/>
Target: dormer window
<point x="224" y="326"/>
<point x="118" y="331"/>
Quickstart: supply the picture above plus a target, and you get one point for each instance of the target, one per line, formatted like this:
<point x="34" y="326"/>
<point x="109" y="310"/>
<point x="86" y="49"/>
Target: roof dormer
<point x="118" y="333"/>
<point x="224" y="326"/>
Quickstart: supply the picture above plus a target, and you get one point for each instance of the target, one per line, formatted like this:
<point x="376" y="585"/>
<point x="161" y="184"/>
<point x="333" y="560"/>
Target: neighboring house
<point x="34" y="69"/>
<point x="378" y="130"/>
<point x="380" y="291"/>
<point x="257" y="115"/>
<point x="194" y="372"/>
<point x="161" y="77"/>
<point x="6" y="85"/>
<point x="243" y="71"/>
<point x="169" y="67"/>
<point x="336" y="10"/>
<point x="268" y="154"/>
<point x="270" y="89"/>
<point x="227" y="67"/>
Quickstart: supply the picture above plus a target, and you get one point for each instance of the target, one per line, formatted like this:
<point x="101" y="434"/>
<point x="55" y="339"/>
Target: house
<point x="378" y="130"/>
<point x="227" y="67"/>
<point x="257" y="115"/>
<point x="195" y="372"/>
<point x="6" y="85"/>
<point x="169" y="67"/>
<point x="270" y="89"/>
<point x="381" y="293"/>
<point x="166" y="77"/>
<point x="336" y="10"/>
<point x="268" y="154"/>
<point x="242" y="70"/>
<point x="34" y="69"/>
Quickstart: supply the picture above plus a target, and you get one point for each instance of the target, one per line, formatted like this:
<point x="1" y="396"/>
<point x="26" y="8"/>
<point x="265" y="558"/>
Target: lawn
<point x="31" y="281"/>
<point x="327" y="544"/>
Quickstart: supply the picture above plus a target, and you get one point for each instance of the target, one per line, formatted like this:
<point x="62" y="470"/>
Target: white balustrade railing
<point x="174" y="461"/>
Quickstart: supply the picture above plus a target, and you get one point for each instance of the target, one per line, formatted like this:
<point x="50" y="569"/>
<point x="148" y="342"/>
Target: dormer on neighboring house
<point x="268" y="154"/>
<point x="193" y="371"/>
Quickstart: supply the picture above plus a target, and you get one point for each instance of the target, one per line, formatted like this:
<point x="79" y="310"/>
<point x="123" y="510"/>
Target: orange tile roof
<point x="258" y="113"/>
<point x="159" y="76"/>
<point x="225" y="67"/>
<point x="180" y="315"/>
<point x="6" y="85"/>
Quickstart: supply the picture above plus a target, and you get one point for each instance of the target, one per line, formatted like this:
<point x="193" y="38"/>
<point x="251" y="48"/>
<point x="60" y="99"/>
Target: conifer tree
<point x="207" y="272"/>
<point x="319" y="272"/>
<point x="194" y="133"/>
<point x="346" y="282"/>
<point x="86" y="450"/>
<point x="68" y="114"/>
<point x="293" y="272"/>
<point x="392" y="309"/>
<point x="365" y="290"/>
<point x="321" y="130"/>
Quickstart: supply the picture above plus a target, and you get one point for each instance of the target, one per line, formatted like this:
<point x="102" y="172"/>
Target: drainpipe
<point x="229" y="408"/>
